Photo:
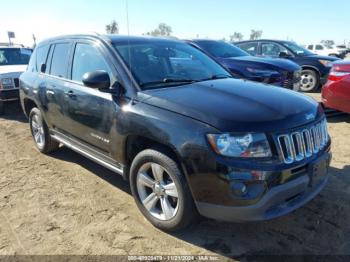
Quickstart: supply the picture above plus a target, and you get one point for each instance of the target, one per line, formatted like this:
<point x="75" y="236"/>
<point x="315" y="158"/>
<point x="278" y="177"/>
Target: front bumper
<point x="9" y="94"/>
<point x="279" y="200"/>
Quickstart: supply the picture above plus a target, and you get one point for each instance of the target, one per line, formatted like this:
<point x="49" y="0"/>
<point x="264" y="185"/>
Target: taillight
<point x="337" y="75"/>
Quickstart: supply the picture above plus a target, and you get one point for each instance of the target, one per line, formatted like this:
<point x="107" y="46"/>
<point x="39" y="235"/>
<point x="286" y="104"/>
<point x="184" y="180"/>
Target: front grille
<point x="304" y="143"/>
<point x="16" y="81"/>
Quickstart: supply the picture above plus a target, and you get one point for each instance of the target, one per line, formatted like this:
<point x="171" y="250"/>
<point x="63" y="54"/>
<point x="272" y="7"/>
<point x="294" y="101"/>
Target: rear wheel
<point x="40" y="133"/>
<point x="309" y="81"/>
<point x="161" y="191"/>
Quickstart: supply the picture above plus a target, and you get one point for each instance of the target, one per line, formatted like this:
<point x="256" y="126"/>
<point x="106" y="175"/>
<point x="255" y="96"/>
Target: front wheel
<point x="161" y="192"/>
<point x="40" y="133"/>
<point x="309" y="81"/>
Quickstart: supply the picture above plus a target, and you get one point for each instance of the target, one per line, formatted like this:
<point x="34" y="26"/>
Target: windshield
<point x="14" y="56"/>
<point x="220" y="49"/>
<point x="162" y="64"/>
<point x="298" y="49"/>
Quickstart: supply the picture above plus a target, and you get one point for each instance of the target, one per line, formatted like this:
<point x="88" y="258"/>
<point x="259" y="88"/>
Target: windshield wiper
<point x="216" y="77"/>
<point x="167" y="81"/>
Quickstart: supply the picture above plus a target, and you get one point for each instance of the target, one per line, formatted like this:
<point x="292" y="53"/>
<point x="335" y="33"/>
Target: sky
<point x="298" y="20"/>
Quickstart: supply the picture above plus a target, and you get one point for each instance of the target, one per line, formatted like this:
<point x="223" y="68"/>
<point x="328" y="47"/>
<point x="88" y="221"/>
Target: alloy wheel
<point x="157" y="191"/>
<point x="38" y="131"/>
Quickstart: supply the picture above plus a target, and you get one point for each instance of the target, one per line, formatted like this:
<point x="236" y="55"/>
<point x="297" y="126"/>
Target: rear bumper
<point x="9" y="95"/>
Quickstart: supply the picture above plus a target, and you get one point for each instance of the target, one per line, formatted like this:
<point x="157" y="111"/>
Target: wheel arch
<point x="313" y="68"/>
<point x="28" y="105"/>
<point x="135" y="144"/>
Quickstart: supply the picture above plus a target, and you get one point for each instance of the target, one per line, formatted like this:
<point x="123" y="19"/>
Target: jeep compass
<point x="188" y="137"/>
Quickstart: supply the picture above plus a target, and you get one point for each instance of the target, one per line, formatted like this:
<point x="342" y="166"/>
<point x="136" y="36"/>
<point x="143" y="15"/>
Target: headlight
<point x="6" y="81"/>
<point x="326" y="63"/>
<point x="262" y="72"/>
<point x="240" y="145"/>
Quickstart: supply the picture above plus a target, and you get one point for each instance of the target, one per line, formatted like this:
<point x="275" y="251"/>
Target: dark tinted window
<point x="310" y="47"/>
<point x="272" y="49"/>
<point x="87" y="59"/>
<point x="221" y="49"/>
<point x="60" y="59"/>
<point x="14" y="56"/>
<point x="251" y="48"/>
<point x="41" y="56"/>
<point x="319" y="47"/>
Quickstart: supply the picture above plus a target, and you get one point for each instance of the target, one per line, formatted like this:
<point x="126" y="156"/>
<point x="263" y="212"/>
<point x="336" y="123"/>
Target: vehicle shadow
<point x="112" y="178"/>
<point x="345" y="118"/>
<point x="321" y="227"/>
<point x="13" y="111"/>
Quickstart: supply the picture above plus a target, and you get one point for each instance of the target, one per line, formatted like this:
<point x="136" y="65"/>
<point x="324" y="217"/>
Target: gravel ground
<point x="64" y="204"/>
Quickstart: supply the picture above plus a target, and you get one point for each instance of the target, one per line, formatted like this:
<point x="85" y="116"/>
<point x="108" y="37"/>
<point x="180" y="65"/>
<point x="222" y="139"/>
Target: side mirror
<point x="116" y="89"/>
<point x="97" y="79"/>
<point x="42" y="68"/>
<point x="284" y="54"/>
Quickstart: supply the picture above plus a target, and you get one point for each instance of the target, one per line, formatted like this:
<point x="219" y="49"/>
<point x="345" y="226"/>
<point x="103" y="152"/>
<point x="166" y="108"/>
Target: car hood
<point x="232" y="105"/>
<point x="259" y="62"/>
<point x="13" y="69"/>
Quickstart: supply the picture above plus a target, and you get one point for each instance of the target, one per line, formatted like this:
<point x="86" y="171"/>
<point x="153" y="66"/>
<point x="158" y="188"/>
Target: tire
<point x="180" y="212"/>
<point x="310" y="81"/>
<point x="40" y="133"/>
<point x="2" y="108"/>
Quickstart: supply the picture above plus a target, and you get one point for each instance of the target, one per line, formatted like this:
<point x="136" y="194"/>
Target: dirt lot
<point x="65" y="204"/>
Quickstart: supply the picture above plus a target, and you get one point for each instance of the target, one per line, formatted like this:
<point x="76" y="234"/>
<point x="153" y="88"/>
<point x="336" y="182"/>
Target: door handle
<point x="70" y="94"/>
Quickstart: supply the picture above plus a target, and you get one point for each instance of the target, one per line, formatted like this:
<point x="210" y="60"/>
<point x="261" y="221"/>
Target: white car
<point x="13" y="62"/>
<point x="321" y="49"/>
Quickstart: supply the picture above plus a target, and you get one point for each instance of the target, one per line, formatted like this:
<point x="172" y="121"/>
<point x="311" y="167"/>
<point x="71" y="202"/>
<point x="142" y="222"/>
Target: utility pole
<point x="34" y="40"/>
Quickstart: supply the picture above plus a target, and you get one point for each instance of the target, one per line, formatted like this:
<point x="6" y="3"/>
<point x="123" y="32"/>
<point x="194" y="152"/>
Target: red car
<point x="336" y="92"/>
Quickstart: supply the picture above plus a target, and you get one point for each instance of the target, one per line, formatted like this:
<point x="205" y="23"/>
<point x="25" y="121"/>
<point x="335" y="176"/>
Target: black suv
<point x="188" y="137"/>
<point x="315" y="68"/>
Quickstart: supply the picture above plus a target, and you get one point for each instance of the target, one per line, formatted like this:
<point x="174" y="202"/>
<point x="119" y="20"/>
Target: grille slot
<point x="297" y="146"/>
<point x="16" y="81"/>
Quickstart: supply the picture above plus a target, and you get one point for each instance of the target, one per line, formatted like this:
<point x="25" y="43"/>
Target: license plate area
<point x="319" y="170"/>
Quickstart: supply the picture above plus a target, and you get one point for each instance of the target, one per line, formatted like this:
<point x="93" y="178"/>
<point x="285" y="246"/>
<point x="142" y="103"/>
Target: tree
<point x="162" y="30"/>
<point x="256" y="34"/>
<point x="112" y="28"/>
<point x="236" y="37"/>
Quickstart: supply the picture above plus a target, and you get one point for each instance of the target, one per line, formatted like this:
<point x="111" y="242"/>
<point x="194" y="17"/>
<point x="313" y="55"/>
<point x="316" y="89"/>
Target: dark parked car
<point x="242" y="65"/>
<point x="315" y="68"/>
<point x="173" y="122"/>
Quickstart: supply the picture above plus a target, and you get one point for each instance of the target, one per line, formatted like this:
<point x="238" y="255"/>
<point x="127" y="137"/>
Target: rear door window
<point x="251" y="48"/>
<point x="310" y="47"/>
<point x="60" y="60"/>
<point x="319" y="47"/>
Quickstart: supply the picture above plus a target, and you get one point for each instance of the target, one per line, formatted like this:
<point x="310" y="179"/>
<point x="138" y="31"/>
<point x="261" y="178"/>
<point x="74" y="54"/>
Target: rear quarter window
<point x="40" y="56"/>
